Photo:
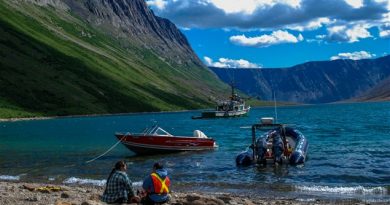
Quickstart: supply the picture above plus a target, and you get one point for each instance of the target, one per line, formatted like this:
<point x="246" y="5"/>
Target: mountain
<point x="132" y="19"/>
<point x="68" y="57"/>
<point x="312" y="82"/>
<point x="380" y="92"/>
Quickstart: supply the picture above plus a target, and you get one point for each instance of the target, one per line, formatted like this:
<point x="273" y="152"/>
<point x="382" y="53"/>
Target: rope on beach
<point x="89" y="161"/>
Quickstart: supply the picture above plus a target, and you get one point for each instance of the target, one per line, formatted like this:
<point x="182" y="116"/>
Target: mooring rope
<point x="112" y="147"/>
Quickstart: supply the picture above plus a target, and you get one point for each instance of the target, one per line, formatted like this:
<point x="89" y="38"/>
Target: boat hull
<point x="150" y="145"/>
<point x="225" y="114"/>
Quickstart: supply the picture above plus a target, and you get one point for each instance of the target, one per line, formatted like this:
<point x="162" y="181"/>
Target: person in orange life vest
<point x="156" y="186"/>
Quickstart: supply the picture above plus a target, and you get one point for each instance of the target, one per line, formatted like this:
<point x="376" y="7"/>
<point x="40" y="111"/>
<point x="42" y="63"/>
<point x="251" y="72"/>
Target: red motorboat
<point x="155" y="140"/>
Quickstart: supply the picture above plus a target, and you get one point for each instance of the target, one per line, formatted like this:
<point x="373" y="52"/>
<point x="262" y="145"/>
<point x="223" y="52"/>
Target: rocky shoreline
<point x="15" y="193"/>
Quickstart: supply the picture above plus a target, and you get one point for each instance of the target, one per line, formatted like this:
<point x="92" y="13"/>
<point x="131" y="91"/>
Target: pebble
<point x="192" y="197"/>
<point x="233" y="203"/>
<point x="89" y="202"/>
<point x="195" y="202"/>
<point x="62" y="203"/>
<point x="248" y="202"/>
<point x="65" y="195"/>
<point x="94" y="197"/>
<point x="225" y="199"/>
<point x="32" y="199"/>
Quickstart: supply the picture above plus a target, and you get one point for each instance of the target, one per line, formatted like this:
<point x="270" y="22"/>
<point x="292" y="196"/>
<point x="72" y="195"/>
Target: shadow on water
<point x="277" y="170"/>
<point x="163" y="157"/>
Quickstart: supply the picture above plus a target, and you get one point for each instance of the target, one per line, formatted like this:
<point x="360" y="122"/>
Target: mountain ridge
<point x="311" y="82"/>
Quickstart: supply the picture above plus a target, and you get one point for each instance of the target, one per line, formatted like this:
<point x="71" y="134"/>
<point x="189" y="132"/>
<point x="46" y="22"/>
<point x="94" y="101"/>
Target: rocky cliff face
<point x="132" y="19"/>
<point x="313" y="82"/>
<point x="54" y="3"/>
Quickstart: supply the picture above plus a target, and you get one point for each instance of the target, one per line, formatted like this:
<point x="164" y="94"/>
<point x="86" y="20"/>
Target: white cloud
<point x="300" y="37"/>
<point x="231" y="6"/>
<point x="320" y="36"/>
<point x="355" y="3"/>
<point x="353" y="18"/>
<point x="271" y="14"/>
<point x="311" y="25"/>
<point x="276" y="37"/>
<point x="208" y="61"/>
<point x="230" y="63"/>
<point x="160" y="4"/>
<point x="384" y="30"/>
<point x="185" y="28"/>
<point x="384" y="33"/>
<point x="353" y="56"/>
<point x="349" y="34"/>
<point x="249" y="6"/>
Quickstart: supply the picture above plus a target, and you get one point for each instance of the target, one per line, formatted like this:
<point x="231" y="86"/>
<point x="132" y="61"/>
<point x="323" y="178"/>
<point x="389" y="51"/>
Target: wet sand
<point x="15" y="193"/>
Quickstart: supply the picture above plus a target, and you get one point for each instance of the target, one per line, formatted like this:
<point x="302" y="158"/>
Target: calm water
<point x="349" y="152"/>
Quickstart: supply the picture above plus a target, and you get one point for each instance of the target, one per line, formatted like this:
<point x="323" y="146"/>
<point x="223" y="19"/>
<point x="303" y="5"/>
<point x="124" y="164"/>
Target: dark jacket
<point x="119" y="186"/>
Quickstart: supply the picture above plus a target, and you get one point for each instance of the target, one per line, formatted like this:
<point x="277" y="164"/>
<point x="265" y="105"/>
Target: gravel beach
<point x="15" y="193"/>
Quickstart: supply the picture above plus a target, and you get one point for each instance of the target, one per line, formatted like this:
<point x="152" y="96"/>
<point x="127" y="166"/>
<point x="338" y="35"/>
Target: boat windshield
<point x="156" y="130"/>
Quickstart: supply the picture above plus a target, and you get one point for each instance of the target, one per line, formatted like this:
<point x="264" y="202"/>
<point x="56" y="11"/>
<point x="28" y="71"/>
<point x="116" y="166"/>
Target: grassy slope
<point x="51" y="63"/>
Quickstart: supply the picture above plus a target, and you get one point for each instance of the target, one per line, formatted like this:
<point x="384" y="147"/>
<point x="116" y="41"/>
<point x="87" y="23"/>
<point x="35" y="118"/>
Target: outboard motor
<point x="199" y="134"/>
<point x="245" y="158"/>
<point x="278" y="149"/>
<point x="261" y="151"/>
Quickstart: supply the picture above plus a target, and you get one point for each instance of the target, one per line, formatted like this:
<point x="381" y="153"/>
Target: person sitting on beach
<point x="156" y="186"/>
<point x="119" y="187"/>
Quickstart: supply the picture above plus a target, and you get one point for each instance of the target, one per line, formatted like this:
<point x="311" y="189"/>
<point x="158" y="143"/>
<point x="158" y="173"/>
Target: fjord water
<point x="349" y="152"/>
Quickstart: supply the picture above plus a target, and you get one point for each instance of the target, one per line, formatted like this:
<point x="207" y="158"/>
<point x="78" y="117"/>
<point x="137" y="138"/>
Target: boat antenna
<point x="232" y="86"/>
<point x="276" y="111"/>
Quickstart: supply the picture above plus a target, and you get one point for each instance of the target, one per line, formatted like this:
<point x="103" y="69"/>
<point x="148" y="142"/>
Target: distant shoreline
<point x="280" y="104"/>
<point x="86" y="115"/>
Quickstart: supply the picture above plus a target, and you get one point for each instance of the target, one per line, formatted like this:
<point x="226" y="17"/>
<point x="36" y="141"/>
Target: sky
<point x="280" y="33"/>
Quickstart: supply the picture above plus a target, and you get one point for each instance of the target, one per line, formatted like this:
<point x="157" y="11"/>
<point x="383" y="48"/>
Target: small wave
<point x="75" y="180"/>
<point x="9" y="178"/>
<point x="344" y="190"/>
<point x="306" y="200"/>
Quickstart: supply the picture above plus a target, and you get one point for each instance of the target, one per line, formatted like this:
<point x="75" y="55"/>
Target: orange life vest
<point x="160" y="186"/>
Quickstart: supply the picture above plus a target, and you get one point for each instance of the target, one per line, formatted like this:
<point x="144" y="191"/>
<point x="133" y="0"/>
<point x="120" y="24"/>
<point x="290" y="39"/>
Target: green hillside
<point x="53" y="63"/>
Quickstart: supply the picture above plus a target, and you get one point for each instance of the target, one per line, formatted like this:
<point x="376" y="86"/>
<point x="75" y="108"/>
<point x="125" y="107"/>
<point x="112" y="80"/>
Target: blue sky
<point x="280" y="33"/>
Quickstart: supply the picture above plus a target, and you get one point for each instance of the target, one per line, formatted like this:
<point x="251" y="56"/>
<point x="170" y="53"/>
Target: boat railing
<point x="150" y="130"/>
<point x="124" y="134"/>
<point x="156" y="130"/>
<point x="147" y="130"/>
<point x="160" y="131"/>
<point x="153" y="129"/>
